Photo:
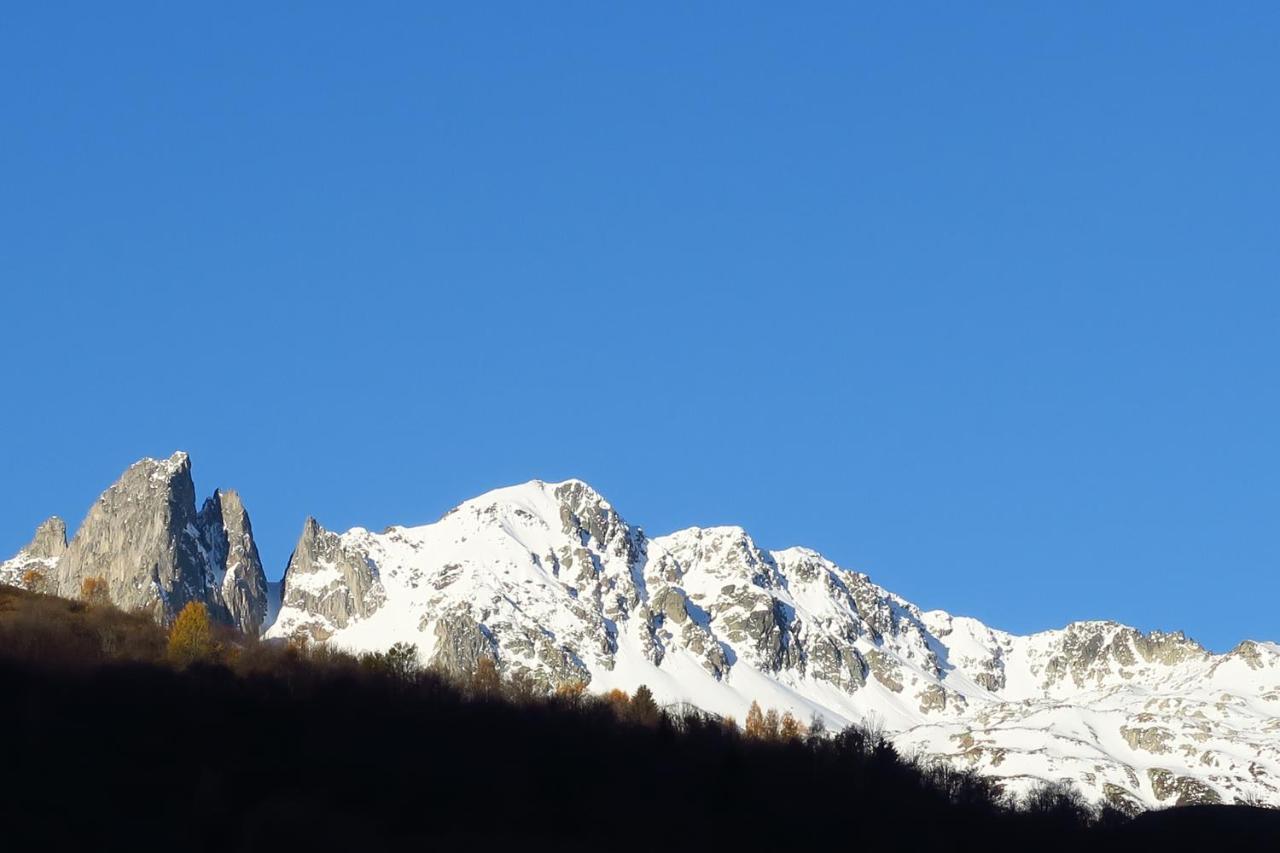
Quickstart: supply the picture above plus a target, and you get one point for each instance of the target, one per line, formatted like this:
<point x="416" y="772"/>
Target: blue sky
<point x="982" y="301"/>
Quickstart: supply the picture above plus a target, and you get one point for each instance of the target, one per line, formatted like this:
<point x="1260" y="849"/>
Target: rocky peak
<point x="156" y="552"/>
<point x="40" y="555"/>
<point x="50" y="541"/>
<point x="728" y="553"/>
<point x="585" y="514"/>
<point x="1089" y="653"/>
<point x="334" y="582"/>
<point x="239" y="581"/>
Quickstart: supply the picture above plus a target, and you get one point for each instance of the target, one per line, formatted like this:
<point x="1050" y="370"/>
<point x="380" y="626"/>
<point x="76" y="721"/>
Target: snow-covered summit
<point x="548" y="580"/>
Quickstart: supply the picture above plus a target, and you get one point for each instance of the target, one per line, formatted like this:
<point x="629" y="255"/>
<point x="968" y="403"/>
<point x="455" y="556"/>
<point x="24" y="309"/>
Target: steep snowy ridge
<point x="548" y="580"/>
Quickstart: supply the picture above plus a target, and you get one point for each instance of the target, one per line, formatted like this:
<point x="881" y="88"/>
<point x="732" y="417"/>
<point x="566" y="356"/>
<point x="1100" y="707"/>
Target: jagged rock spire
<point x="156" y="552"/>
<point x="330" y="580"/>
<point x="50" y="541"/>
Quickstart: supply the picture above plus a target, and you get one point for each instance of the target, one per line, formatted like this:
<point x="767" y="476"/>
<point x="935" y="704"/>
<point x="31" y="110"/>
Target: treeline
<point x="119" y="733"/>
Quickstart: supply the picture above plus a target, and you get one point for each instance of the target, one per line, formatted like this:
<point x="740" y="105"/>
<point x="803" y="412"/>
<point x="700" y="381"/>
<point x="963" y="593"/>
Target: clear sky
<point x="984" y="301"/>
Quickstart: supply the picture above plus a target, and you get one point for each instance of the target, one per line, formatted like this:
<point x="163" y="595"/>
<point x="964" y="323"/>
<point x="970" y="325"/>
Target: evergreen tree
<point x="643" y="709"/>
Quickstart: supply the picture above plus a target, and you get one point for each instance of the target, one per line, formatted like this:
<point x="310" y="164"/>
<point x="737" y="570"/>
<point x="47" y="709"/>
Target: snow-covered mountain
<point x="547" y="579"/>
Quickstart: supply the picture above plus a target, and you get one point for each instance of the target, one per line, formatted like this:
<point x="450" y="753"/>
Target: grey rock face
<point x="156" y="553"/>
<point x="40" y="555"/>
<point x="50" y="541"/>
<point x="228" y="538"/>
<point x="1153" y="739"/>
<point x="760" y="623"/>
<point x="462" y="643"/>
<point x="555" y="665"/>
<point x="330" y="580"/>
<point x="672" y="604"/>
<point x="838" y="662"/>
<point x="1092" y="651"/>
<point x="885" y="669"/>
<point x="588" y="516"/>
<point x="1182" y="790"/>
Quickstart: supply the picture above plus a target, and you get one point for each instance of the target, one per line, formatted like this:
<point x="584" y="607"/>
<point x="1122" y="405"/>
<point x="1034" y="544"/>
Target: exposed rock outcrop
<point x="144" y="537"/>
<point x="50" y="541"/>
<point x="1089" y="653"/>
<point x="329" y="580"/>
<point x="38" y="560"/>
<point x="1152" y="739"/>
<point x="228" y="539"/>
<point x="461" y="643"/>
<point x="1178" y="790"/>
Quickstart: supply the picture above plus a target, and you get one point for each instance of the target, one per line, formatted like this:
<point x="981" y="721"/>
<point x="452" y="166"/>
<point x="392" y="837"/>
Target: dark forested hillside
<point x="119" y="735"/>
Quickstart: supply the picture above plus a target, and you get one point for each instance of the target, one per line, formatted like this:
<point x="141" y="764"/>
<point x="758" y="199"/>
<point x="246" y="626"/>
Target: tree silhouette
<point x="643" y="709"/>
<point x="486" y="681"/>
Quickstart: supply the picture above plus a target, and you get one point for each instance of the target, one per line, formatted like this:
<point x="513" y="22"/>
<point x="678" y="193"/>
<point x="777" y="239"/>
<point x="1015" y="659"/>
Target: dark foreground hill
<point x="108" y="744"/>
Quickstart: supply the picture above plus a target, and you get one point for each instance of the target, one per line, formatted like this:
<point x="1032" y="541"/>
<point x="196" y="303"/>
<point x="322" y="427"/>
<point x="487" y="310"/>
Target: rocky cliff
<point x="37" y="562"/>
<point x="145" y="538"/>
<point x="332" y="582"/>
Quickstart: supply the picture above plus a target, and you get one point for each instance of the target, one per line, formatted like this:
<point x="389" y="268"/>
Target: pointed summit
<point x="228" y="539"/>
<point x="156" y="552"/>
<point x="40" y="555"/>
<point x="50" y="541"/>
<point x="327" y="578"/>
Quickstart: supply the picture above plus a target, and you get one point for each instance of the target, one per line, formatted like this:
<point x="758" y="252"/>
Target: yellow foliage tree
<point x="34" y="580"/>
<point x="755" y="722"/>
<point x="771" y="724"/>
<point x="618" y="701"/>
<point x="94" y="591"/>
<point x="571" y="691"/>
<point x="790" y="728"/>
<point x="191" y="637"/>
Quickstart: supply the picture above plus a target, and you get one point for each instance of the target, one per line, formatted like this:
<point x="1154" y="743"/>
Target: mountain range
<point x="548" y="581"/>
